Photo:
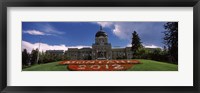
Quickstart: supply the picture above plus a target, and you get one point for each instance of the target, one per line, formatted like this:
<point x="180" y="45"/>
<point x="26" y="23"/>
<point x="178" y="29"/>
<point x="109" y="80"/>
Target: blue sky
<point x="64" y="35"/>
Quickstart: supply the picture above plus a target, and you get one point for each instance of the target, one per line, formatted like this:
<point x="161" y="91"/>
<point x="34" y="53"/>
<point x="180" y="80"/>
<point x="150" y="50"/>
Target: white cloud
<point x="34" y="32"/>
<point x="105" y="24"/>
<point x="120" y="29"/>
<point x="43" y="46"/>
<point x="44" y="29"/>
<point x="123" y="30"/>
<point x="50" y="29"/>
<point x="152" y="46"/>
<point x="129" y="45"/>
<point x="146" y="46"/>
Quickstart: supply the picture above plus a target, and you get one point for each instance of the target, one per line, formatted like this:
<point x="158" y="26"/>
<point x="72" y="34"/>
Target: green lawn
<point x="147" y="65"/>
<point x="151" y="65"/>
<point x="53" y="66"/>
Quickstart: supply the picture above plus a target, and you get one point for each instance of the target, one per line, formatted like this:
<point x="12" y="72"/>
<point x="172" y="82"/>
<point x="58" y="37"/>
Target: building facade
<point x="101" y="50"/>
<point x="55" y="52"/>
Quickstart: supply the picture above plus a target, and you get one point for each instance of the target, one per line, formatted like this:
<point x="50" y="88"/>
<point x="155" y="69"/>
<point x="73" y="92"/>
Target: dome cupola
<point x="101" y="33"/>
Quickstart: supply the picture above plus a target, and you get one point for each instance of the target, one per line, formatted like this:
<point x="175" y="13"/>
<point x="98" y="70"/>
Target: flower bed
<point x="113" y="67"/>
<point x="99" y="65"/>
<point x="99" y="62"/>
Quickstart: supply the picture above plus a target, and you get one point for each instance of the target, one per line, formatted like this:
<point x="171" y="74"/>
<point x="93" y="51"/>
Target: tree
<point x="34" y="54"/>
<point x="47" y="57"/>
<point x="142" y="53"/>
<point x="41" y="57"/>
<point x="136" y="44"/>
<point x="156" y="54"/>
<point x="171" y="40"/>
<point x="25" y="57"/>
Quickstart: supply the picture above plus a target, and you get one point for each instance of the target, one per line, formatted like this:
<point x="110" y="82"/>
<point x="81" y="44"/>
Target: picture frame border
<point x="102" y="3"/>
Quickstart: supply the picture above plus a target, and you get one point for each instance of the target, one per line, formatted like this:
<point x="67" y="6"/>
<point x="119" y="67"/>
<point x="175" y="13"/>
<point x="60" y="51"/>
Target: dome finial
<point x="101" y="28"/>
<point x="101" y="32"/>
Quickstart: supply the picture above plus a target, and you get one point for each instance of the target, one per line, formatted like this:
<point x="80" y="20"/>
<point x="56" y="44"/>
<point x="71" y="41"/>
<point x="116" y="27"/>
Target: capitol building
<point x="101" y="50"/>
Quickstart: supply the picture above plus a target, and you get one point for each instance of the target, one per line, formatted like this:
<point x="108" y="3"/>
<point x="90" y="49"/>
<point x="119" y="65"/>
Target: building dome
<point x="101" y="33"/>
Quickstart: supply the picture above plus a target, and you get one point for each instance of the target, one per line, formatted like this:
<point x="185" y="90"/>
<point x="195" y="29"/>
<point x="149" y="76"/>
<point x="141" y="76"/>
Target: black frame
<point x="101" y="3"/>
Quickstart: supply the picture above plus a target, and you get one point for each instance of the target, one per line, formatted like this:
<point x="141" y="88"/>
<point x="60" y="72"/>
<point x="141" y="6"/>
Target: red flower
<point x="99" y="65"/>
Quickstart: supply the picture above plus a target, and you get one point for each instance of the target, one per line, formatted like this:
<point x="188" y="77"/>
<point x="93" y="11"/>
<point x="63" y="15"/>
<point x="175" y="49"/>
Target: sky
<point x="64" y="35"/>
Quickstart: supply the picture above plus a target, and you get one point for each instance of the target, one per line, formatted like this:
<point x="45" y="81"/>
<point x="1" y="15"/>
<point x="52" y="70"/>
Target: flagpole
<point x="38" y="50"/>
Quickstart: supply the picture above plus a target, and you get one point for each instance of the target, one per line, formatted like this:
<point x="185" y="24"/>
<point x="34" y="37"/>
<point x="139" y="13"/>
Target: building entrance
<point x="101" y="55"/>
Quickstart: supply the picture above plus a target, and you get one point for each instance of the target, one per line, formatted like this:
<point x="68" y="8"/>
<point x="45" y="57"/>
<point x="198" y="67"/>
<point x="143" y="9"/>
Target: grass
<point x="147" y="65"/>
<point x="53" y="66"/>
<point x="150" y="65"/>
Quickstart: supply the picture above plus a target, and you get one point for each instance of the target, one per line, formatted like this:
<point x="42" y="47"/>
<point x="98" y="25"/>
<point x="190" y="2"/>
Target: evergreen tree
<point x="25" y="57"/>
<point x="171" y="40"/>
<point x="136" y="44"/>
<point x="34" y="55"/>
